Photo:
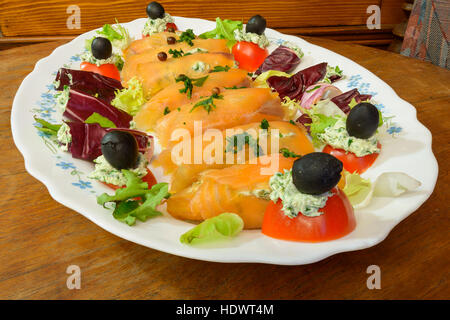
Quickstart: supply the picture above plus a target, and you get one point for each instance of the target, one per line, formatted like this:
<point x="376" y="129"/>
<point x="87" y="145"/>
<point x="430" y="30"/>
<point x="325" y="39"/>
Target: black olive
<point x="316" y="173"/>
<point x="120" y="149"/>
<point x="362" y="121"/>
<point x="101" y="48"/>
<point x="155" y="10"/>
<point x="256" y="24"/>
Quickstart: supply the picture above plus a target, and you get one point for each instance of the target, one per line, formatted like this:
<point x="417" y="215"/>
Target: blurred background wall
<point x="26" y="22"/>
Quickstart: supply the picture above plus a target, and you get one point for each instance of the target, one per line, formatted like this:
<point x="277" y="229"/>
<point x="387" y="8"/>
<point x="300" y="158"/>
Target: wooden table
<point x="39" y="238"/>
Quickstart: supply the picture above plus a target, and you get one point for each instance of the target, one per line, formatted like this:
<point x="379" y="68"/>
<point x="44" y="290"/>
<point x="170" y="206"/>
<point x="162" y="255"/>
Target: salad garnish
<point x="131" y="98"/>
<point x="176" y="53"/>
<point x="101" y="120"/>
<point x="236" y="143"/>
<point x="289" y="154"/>
<point x="187" y="36"/>
<point x="222" y="227"/>
<point x="189" y="83"/>
<point x="220" y="69"/>
<point x="136" y="200"/>
<point x="208" y="103"/>
<point x="389" y="184"/>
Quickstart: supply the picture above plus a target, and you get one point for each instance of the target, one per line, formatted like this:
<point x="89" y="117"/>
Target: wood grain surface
<point x="39" y="238"/>
<point x="21" y="22"/>
<point x="49" y="17"/>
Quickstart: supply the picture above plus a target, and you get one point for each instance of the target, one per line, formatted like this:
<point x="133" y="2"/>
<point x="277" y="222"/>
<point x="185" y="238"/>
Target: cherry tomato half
<point x="249" y="55"/>
<point x="107" y="69"/>
<point x="149" y="178"/>
<point x="171" y="25"/>
<point x="351" y="162"/>
<point x="337" y="220"/>
<point x="168" y="25"/>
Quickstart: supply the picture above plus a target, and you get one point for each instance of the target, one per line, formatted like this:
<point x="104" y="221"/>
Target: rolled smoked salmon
<point x="157" y="75"/>
<point x="290" y="137"/>
<point x="235" y="107"/>
<point x="240" y="189"/>
<point x="170" y="98"/>
<point x="151" y="55"/>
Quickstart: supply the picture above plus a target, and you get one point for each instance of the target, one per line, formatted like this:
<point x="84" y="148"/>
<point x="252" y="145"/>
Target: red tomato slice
<point x="171" y="25"/>
<point x="149" y="178"/>
<point x="337" y="220"/>
<point x="107" y="69"/>
<point x="249" y="55"/>
<point x="351" y="162"/>
<point x="168" y="25"/>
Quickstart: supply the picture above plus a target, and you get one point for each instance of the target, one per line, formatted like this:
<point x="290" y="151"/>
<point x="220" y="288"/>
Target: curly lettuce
<point x="131" y="98"/>
<point x="224" y="30"/>
<point x="117" y="34"/>
<point x="136" y="200"/>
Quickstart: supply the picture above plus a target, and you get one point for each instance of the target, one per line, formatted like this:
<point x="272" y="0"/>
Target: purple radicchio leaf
<point x="81" y="106"/>
<point x="282" y="59"/>
<point x="294" y="87"/>
<point x="305" y="120"/>
<point x="87" y="138"/>
<point x="88" y="82"/>
<point x="343" y="100"/>
<point x="334" y="78"/>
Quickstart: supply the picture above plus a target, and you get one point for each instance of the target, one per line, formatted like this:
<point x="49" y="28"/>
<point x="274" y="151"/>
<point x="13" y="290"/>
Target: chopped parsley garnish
<point x="189" y="83"/>
<point x="264" y="124"/>
<point x="288" y="153"/>
<point x="207" y="104"/>
<point x="234" y="88"/>
<point x="220" y="69"/>
<point x="166" y="110"/>
<point x="237" y="142"/>
<point x="176" y="53"/>
<point x="187" y="36"/>
<point x="292" y="122"/>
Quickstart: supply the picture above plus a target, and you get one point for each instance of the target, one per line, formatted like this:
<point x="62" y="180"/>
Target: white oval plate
<point x="406" y="148"/>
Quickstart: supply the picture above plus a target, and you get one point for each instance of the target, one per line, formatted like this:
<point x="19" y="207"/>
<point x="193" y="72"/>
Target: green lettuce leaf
<point x="224" y="30"/>
<point x="389" y="184"/>
<point x="47" y="127"/>
<point x="101" y="120"/>
<point x="357" y="189"/>
<point x="261" y="80"/>
<point x="117" y="34"/>
<point x="319" y="123"/>
<point x="130" y="99"/>
<point x="222" y="227"/>
<point x="135" y="201"/>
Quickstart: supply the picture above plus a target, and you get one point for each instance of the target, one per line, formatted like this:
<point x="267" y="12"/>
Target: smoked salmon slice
<point x="151" y="55"/>
<point x="154" y="41"/>
<point x="233" y="107"/>
<point x="290" y="137"/>
<point x="240" y="189"/>
<point x="157" y="75"/>
<point x="170" y="98"/>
